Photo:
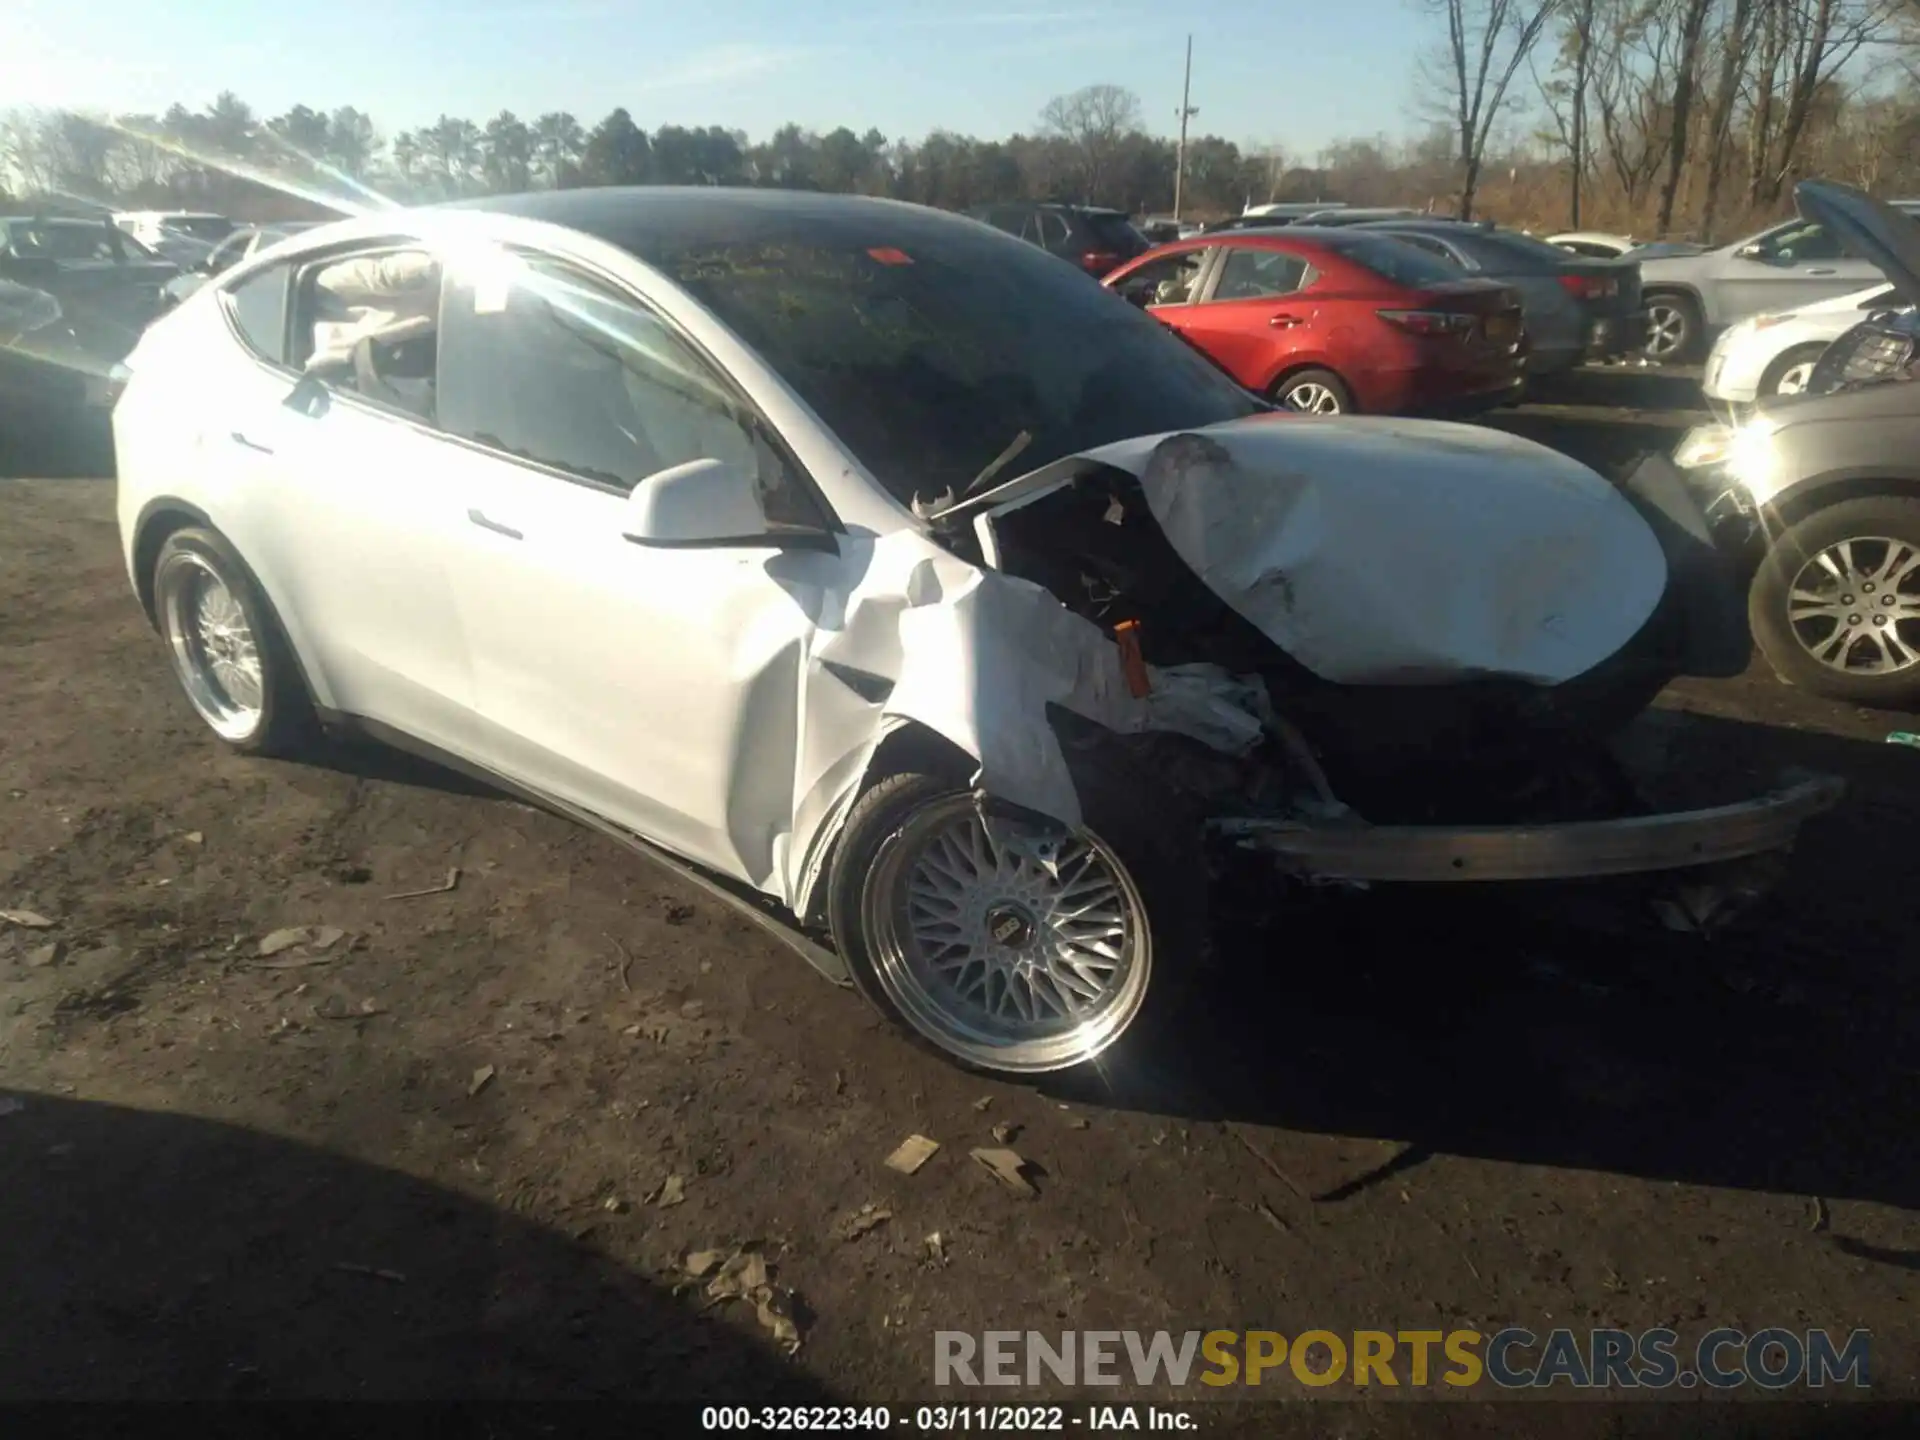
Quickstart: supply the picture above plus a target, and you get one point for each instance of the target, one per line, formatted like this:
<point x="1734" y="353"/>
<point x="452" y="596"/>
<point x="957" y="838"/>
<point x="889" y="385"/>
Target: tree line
<point x="1655" y="117"/>
<point x="1087" y="146"/>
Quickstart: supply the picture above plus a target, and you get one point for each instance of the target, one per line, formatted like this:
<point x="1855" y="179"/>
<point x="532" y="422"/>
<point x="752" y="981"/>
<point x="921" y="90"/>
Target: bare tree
<point x="1487" y="42"/>
<point x="1693" y="21"/>
<point x="1733" y="45"/>
<point x="1095" y="122"/>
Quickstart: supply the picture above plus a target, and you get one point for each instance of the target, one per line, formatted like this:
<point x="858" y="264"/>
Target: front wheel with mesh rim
<point x="1002" y="939"/>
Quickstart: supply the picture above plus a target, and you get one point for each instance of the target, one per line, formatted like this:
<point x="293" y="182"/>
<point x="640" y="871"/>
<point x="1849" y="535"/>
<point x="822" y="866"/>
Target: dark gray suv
<point x="1820" y="491"/>
<point x="1096" y="240"/>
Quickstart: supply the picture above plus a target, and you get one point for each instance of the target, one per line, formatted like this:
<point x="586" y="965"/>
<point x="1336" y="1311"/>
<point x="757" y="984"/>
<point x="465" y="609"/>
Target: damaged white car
<point x="872" y="568"/>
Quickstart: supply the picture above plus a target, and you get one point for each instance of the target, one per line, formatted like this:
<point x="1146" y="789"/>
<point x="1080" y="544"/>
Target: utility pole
<point x="1187" y="112"/>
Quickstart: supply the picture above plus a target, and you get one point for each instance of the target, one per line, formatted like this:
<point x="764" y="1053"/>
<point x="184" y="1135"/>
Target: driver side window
<point x="369" y="325"/>
<point x="544" y="364"/>
<point x="1797" y="244"/>
<point x="1172" y="281"/>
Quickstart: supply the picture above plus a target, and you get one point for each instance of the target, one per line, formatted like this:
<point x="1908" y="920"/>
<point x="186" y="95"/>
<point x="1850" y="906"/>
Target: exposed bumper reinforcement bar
<point x="1641" y="844"/>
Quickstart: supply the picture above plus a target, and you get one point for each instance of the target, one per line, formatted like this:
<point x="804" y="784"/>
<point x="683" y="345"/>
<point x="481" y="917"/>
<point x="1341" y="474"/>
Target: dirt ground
<point x="464" y="1150"/>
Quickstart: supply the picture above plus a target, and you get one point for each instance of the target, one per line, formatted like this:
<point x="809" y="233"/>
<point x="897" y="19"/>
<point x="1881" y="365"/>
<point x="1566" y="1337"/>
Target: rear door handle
<point x="1823" y="272"/>
<point x="1283" y="322"/>
<point x="484" y="523"/>
<point x="240" y="439"/>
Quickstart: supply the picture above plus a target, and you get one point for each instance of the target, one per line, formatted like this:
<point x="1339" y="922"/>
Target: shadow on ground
<point x="1779" y="1056"/>
<point x="154" y="1256"/>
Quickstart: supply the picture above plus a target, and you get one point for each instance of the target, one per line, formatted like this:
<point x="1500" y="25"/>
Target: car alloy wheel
<point x="216" y="654"/>
<point x="1794" y="378"/>
<point x="1008" y="943"/>
<point x="1311" y="398"/>
<point x="1849" y="605"/>
<point x="1668" y="329"/>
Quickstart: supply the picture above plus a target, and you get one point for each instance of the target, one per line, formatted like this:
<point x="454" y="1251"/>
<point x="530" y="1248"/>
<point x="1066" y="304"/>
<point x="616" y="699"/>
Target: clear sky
<point x="1264" y="71"/>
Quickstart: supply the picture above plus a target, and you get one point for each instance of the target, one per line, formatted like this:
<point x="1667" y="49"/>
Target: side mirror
<point x="707" y="503"/>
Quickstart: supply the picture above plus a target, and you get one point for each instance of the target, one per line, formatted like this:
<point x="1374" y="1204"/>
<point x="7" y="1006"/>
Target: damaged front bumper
<point x="1342" y="849"/>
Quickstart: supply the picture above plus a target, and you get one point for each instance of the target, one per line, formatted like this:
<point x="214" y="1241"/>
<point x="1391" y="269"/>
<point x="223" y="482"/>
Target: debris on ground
<point x="677" y="912"/>
<point x="672" y="1192"/>
<point x="1820" y="1217"/>
<point x="912" y="1153"/>
<point x="982" y="1103"/>
<point x="692" y="1010"/>
<point x="1078" y="1123"/>
<point x="452" y="880"/>
<point x="701" y="1263"/>
<point x="774" y="1307"/>
<point x="614" y="1205"/>
<point x="372" y="1271"/>
<point x="334" y="1008"/>
<point x="311" y="940"/>
<point x="1004" y="1132"/>
<point x="193" y="837"/>
<point x="745" y="1275"/>
<point x="310" y="937"/>
<point x="1008" y="1168"/>
<point x="26" y="919"/>
<point x="481" y="1079"/>
<point x="856" y="1223"/>
<point x="42" y="956"/>
<point x="936" y="1248"/>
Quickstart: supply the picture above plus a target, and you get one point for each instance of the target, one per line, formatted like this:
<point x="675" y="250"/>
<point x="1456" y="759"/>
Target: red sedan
<point x="1337" y="321"/>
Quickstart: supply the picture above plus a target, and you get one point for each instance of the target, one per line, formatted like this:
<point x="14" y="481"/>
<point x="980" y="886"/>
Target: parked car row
<point x="926" y="601"/>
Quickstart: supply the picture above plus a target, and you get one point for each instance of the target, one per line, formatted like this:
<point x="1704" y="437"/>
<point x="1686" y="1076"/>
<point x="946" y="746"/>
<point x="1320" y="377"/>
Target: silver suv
<point x="1820" y="491"/>
<point x="1689" y="298"/>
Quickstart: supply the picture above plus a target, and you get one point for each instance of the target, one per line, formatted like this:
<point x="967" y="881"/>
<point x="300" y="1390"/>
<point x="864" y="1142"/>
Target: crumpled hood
<point x="1383" y="551"/>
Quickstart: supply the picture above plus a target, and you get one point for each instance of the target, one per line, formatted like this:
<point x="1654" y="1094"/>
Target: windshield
<point x="1116" y="232"/>
<point x="1538" y="253"/>
<point x="1391" y="259"/>
<point x="929" y="365"/>
<point x="62" y="240"/>
<point x="199" y="227"/>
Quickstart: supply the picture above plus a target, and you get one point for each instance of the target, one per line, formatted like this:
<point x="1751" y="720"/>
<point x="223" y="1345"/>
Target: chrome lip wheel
<point x="1008" y="945"/>
<point x="1311" y="399"/>
<point x="1666" y="330"/>
<point x="215" y="652"/>
<point x="1848" y="604"/>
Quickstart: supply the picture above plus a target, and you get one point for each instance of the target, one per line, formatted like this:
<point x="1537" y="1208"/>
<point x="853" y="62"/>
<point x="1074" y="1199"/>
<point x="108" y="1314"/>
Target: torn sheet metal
<point x="977" y="657"/>
<point x="1380" y="551"/>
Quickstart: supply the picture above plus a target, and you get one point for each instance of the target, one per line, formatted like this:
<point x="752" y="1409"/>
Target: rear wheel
<point x="1835" y="606"/>
<point x="1673" y="329"/>
<point x="228" y="653"/>
<point x="1004" y="940"/>
<point x="1790" y="372"/>
<point x="1313" y="392"/>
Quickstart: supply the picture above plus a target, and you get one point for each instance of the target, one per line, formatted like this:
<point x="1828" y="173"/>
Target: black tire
<point x="1162" y="856"/>
<point x="283" y="722"/>
<point x="1799" y="355"/>
<point x="1891" y="517"/>
<point x="1686" y="309"/>
<point x="1335" y="387"/>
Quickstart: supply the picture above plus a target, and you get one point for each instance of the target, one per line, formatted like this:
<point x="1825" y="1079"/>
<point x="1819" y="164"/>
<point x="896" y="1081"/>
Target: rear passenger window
<point x="258" y="307"/>
<point x="1256" y="274"/>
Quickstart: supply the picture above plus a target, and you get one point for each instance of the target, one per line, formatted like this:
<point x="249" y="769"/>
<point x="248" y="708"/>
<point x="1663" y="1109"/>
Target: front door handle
<point x="494" y="525"/>
<point x="240" y="439"/>
<point x="1283" y="322"/>
<point x="1828" y="271"/>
